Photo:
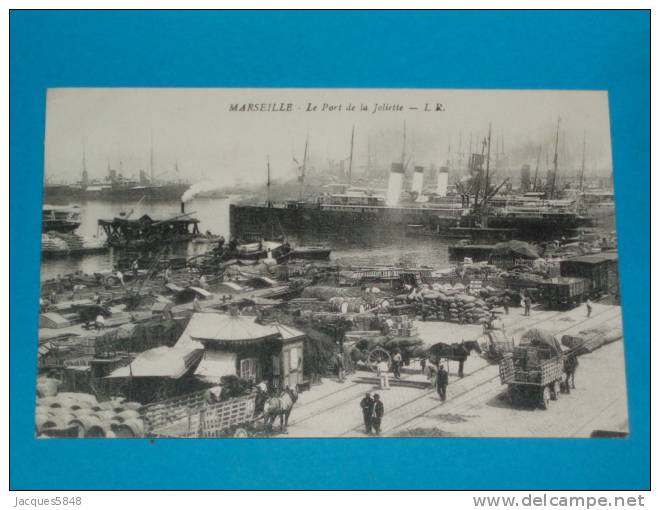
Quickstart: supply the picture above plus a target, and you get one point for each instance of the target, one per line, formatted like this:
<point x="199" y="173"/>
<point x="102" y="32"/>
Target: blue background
<point x="548" y="50"/>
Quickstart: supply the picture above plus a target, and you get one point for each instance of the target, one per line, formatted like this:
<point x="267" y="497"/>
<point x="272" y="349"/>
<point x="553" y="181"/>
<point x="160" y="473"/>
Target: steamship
<point x="359" y="213"/>
<point x="473" y="204"/>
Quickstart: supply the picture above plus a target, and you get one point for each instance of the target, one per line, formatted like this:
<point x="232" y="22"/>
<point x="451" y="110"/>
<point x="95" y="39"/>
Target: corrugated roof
<point x="595" y="258"/>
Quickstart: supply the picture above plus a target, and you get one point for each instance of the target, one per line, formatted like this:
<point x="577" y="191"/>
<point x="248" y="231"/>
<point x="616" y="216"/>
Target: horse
<point x="570" y="366"/>
<point x="280" y="406"/>
<point x="455" y="352"/>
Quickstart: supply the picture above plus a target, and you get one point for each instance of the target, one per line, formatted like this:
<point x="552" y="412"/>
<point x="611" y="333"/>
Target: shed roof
<point x="595" y="258"/>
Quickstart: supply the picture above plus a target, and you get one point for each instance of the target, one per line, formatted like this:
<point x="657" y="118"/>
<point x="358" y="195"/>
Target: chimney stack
<point x="443" y="179"/>
<point x="395" y="183"/>
<point x="418" y="180"/>
<point x="183" y="207"/>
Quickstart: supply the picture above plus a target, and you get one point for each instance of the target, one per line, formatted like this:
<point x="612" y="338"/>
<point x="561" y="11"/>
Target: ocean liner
<point x="472" y="203"/>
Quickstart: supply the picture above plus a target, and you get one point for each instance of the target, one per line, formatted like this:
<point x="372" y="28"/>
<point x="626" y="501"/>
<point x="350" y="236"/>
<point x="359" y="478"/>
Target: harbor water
<point x="213" y="214"/>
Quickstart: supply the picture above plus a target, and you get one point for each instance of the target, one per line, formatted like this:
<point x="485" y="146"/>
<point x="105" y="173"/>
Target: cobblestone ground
<point x="476" y="404"/>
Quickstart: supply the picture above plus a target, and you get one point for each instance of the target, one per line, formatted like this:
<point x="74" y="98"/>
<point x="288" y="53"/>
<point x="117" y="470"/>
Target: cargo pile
<point x="58" y="242"/>
<point x="399" y="326"/>
<point x="453" y="305"/>
<point x="70" y="414"/>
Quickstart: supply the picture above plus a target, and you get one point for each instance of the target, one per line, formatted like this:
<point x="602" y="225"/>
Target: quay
<point x="166" y="338"/>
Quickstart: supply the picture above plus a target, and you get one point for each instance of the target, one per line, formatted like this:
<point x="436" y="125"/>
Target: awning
<point x="216" y="364"/>
<point x="168" y="362"/>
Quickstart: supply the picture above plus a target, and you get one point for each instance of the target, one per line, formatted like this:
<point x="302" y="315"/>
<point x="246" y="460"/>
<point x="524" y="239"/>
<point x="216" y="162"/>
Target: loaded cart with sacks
<point x="533" y="371"/>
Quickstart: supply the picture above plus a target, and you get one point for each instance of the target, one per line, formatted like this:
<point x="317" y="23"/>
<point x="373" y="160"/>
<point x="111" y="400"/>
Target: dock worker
<point x="367" y="406"/>
<point x="134" y="267"/>
<point x="382" y="370"/>
<point x="396" y="361"/>
<point x="441" y="381"/>
<point x="505" y="303"/>
<point x="589" y="307"/>
<point x="379" y="412"/>
<point x="339" y="360"/>
<point x="99" y="322"/>
<point x="167" y="275"/>
<point x="120" y="277"/>
<point x="528" y="304"/>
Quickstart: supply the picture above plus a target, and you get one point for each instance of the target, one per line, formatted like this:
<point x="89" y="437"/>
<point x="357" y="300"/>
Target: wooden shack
<point x="237" y="345"/>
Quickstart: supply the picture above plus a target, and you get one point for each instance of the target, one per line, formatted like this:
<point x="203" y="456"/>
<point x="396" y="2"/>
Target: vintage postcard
<point x="329" y="263"/>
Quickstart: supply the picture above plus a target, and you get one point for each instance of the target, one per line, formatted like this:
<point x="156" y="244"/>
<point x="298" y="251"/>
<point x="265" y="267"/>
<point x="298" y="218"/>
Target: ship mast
<point x="350" y="158"/>
<point x="584" y="149"/>
<point x="536" y="172"/>
<point x="151" y="159"/>
<point x="268" y="202"/>
<point x="303" y="169"/>
<point x="554" y="162"/>
<point x="403" y="151"/>
<point x="486" y="190"/>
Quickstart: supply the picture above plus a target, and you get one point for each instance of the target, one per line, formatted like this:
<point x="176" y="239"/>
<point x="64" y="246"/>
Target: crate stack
<point x="402" y="326"/>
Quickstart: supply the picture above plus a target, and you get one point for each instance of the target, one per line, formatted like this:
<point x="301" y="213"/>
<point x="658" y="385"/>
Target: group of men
<point x="373" y="411"/>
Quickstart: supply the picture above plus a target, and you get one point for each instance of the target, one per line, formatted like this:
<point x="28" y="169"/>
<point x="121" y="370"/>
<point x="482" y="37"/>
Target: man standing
<point x="379" y="411"/>
<point x="441" y="382"/>
<point x="340" y="367"/>
<point x="120" y="277"/>
<point x="589" y="306"/>
<point x="505" y="303"/>
<point x="528" y="304"/>
<point x="367" y="405"/>
<point x="382" y="370"/>
<point x="397" y="359"/>
<point x="134" y="267"/>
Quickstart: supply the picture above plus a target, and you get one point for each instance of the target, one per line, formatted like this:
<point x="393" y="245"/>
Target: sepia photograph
<point x="329" y="263"/>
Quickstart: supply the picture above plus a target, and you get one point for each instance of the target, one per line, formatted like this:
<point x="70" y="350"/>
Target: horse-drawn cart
<point x="192" y="416"/>
<point x="533" y="371"/>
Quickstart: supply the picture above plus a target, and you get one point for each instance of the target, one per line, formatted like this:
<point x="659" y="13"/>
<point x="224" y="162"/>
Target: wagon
<point x="563" y="292"/>
<point x="533" y="371"/>
<point x="192" y="416"/>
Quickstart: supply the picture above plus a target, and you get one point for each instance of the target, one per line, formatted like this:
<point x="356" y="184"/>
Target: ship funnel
<point x="418" y="180"/>
<point x="443" y="179"/>
<point x="395" y="183"/>
<point x="183" y="207"/>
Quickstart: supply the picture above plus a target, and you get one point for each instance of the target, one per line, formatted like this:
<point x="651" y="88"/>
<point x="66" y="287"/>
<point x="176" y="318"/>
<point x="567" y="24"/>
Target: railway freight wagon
<point x="562" y="292"/>
<point x="600" y="269"/>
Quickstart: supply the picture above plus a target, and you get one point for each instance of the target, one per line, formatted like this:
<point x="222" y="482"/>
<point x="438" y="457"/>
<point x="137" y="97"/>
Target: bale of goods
<point x="90" y="426"/>
<point x="128" y="429"/>
<point x="47" y="387"/>
<point x="355" y="305"/>
<point x="326" y="292"/>
<point x="127" y="415"/>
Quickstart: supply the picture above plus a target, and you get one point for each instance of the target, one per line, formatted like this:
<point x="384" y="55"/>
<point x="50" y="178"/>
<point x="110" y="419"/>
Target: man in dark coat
<point x="441" y="382"/>
<point x="367" y="405"/>
<point x="379" y="412"/>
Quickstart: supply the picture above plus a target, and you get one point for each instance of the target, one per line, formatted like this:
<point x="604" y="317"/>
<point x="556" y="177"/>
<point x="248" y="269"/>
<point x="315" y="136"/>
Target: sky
<point x="195" y="129"/>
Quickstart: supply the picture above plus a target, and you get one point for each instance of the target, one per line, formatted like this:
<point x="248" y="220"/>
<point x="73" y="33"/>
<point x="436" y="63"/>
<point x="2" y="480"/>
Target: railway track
<point x="399" y="425"/>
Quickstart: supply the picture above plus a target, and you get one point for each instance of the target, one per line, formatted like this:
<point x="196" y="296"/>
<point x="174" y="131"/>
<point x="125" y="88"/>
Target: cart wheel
<point x="378" y="355"/>
<point x="556" y="390"/>
<point x="545" y="397"/>
<point x="240" y="432"/>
